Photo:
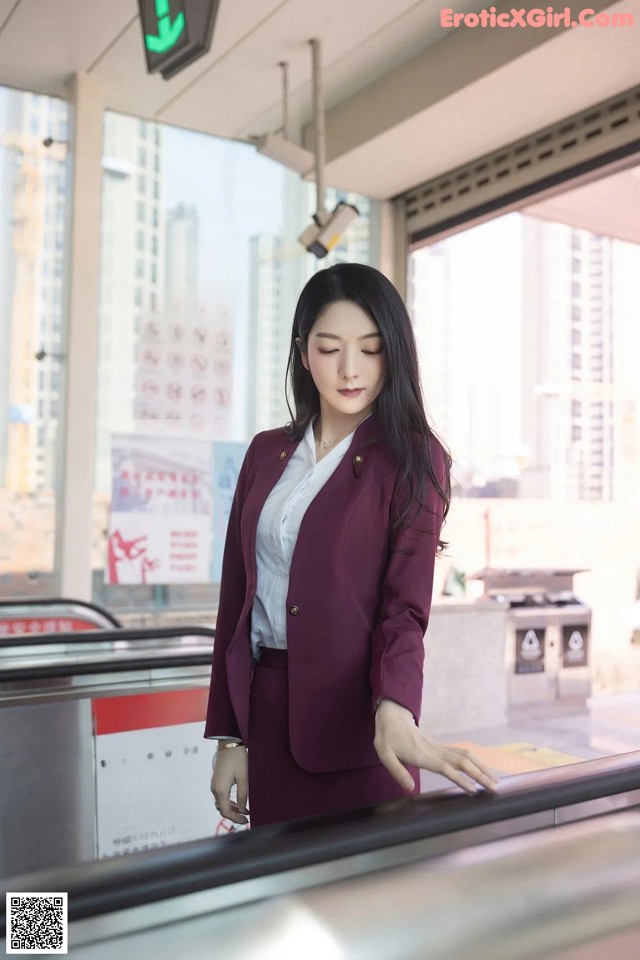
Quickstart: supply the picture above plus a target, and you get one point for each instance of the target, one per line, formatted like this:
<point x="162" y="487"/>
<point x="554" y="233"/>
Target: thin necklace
<point x="327" y="444"/>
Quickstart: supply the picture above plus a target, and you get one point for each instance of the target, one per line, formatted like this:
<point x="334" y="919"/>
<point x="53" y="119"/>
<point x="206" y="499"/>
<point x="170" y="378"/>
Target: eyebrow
<point x="333" y="336"/>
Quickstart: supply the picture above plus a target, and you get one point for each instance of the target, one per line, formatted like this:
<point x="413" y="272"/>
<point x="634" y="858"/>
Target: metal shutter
<point x="606" y="134"/>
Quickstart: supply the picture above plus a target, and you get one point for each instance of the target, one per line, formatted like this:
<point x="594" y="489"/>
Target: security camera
<point x="284" y="151"/>
<point x="48" y="142"/>
<point x="41" y="354"/>
<point x="325" y="231"/>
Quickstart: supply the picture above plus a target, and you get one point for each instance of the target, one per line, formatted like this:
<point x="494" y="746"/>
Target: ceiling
<point x="405" y="98"/>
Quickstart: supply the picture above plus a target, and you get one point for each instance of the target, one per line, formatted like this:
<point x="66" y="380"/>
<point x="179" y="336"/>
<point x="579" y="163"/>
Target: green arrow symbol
<point x="168" y="33"/>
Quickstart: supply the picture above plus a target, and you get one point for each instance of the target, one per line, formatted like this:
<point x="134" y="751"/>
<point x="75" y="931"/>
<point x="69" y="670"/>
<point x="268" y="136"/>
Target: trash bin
<point x="548" y="633"/>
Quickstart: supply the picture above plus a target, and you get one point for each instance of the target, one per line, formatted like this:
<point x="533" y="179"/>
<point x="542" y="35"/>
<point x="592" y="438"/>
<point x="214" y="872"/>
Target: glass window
<point x="531" y="378"/>
<point x="142" y="183"/>
<point x="31" y="278"/>
<point x="140" y="211"/>
<point x="196" y="310"/>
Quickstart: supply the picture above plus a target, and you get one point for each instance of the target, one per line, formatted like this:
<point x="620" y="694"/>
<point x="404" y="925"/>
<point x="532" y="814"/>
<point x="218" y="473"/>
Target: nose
<point x="349" y="364"/>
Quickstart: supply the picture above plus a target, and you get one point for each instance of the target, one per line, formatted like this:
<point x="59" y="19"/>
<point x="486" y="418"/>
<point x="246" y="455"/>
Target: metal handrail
<point x="117" y="662"/>
<point x="142" y="878"/>
<point x="103" y="667"/>
<point x="59" y="601"/>
<point x="107" y="636"/>
<point x="524" y="898"/>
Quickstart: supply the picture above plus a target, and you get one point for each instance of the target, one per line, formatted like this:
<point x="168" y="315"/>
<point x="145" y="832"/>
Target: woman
<point x="327" y="574"/>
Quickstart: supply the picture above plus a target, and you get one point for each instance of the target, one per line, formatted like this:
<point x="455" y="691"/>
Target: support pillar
<point x="77" y="425"/>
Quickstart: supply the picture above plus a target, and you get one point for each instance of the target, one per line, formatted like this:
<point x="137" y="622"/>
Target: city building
<point x="182" y="256"/>
<point x="571" y="409"/>
<point x="524" y="330"/>
<point x="33" y="199"/>
<point x="132" y="271"/>
<point x="268" y="338"/>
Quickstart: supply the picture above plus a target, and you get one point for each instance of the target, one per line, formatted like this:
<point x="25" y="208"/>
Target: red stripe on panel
<point x="144" y="710"/>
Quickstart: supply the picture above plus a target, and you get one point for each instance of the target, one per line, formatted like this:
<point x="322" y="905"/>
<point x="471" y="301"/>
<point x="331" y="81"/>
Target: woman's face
<point x="345" y="350"/>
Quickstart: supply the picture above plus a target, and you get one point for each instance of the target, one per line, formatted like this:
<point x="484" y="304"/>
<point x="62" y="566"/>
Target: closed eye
<point x="369" y="353"/>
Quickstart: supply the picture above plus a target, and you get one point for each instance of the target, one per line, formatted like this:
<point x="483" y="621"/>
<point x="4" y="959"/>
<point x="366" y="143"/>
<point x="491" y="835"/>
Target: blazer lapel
<point x="269" y="466"/>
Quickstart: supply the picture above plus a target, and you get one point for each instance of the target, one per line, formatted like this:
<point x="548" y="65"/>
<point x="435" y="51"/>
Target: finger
<point x="237" y="818"/>
<point x="397" y="770"/>
<point x="242" y="794"/>
<point x="222" y="796"/>
<point x="226" y="810"/>
<point x="457" y="777"/>
<point x="472" y="766"/>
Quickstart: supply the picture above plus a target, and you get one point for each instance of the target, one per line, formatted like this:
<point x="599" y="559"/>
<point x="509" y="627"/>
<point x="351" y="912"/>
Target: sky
<point x="228" y="183"/>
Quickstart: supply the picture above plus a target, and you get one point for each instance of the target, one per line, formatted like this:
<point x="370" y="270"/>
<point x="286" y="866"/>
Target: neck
<point x="329" y="435"/>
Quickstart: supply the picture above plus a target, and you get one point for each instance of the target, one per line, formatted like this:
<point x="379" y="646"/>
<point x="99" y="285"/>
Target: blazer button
<point x="294" y="610"/>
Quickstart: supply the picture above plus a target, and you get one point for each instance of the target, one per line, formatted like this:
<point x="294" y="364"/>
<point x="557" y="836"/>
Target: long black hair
<point x="399" y="405"/>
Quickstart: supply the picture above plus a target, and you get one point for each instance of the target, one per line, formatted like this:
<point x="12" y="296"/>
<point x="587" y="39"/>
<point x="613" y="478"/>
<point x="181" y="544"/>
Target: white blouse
<point x="277" y="533"/>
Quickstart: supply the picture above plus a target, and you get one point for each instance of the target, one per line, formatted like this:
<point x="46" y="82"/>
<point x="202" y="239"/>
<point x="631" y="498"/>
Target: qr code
<point x="37" y="923"/>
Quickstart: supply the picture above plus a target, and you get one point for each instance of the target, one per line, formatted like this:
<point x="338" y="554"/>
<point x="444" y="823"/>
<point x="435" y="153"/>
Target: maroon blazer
<point x="357" y="615"/>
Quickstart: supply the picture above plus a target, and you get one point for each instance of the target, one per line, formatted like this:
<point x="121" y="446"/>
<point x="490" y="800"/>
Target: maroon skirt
<point x="280" y="790"/>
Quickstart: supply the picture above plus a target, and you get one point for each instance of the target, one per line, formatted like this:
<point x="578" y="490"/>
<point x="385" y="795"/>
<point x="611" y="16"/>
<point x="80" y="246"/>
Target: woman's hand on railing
<point x="398" y="741"/>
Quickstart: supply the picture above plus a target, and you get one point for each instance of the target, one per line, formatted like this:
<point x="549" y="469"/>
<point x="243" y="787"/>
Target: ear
<point x="303" y="355"/>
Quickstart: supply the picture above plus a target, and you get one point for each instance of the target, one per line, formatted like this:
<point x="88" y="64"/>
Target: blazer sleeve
<point x="397" y="641"/>
<point x="221" y="721"/>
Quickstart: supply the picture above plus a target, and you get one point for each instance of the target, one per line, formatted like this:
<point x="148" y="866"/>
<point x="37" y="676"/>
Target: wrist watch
<point x="229" y="744"/>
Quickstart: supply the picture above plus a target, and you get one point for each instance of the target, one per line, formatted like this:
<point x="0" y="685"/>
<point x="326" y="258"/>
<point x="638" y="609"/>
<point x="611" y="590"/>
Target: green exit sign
<point x="176" y="32"/>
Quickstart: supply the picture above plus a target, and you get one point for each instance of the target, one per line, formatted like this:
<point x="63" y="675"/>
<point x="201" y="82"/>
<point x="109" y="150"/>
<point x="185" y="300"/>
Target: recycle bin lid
<point x="524" y="572"/>
<point x="530" y="579"/>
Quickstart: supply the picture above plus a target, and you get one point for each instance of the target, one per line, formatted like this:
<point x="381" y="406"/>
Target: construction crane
<point x="27" y="243"/>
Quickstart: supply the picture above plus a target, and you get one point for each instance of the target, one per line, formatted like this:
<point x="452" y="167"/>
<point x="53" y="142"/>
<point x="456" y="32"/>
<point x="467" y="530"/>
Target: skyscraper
<point x="268" y="338"/>
<point x="570" y="411"/>
<point x="132" y="271"/>
<point x="182" y="257"/>
<point x="33" y="199"/>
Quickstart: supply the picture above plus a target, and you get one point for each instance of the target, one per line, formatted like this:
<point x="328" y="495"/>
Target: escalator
<point x="320" y="878"/>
